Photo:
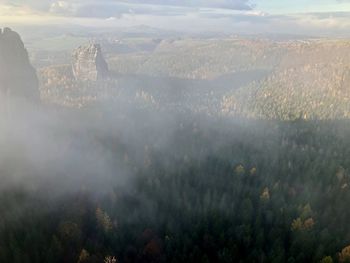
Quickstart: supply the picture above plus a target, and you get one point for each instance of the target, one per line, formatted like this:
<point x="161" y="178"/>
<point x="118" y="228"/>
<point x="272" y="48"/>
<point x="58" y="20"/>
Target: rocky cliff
<point x="89" y="64"/>
<point x="17" y="76"/>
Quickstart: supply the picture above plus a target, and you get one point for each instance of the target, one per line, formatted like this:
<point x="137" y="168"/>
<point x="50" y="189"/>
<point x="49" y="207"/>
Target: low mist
<point x="158" y="146"/>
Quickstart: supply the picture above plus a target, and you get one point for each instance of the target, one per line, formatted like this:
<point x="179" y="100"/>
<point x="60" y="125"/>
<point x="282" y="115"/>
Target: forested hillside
<point x="251" y="78"/>
<point x="247" y="192"/>
<point x="195" y="150"/>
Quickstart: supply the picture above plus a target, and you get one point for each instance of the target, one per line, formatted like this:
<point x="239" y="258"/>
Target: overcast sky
<point x="249" y="16"/>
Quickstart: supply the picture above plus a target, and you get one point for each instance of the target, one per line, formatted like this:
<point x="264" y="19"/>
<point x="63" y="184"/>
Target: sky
<point x="314" y="17"/>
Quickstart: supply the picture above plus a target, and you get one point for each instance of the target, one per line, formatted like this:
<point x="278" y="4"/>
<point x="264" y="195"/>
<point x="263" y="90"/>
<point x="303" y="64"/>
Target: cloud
<point x="232" y="16"/>
<point x="227" y="4"/>
<point x="111" y="8"/>
<point x="61" y="7"/>
<point x="38" y="5"/>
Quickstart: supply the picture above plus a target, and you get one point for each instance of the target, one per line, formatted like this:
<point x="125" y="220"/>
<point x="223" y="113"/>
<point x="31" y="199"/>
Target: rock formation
<point x="17" y="76"/>
<point x="89" y="64"/>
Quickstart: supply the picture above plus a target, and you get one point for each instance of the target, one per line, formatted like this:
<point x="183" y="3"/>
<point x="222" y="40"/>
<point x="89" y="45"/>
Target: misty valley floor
<point x="165" y="188"/>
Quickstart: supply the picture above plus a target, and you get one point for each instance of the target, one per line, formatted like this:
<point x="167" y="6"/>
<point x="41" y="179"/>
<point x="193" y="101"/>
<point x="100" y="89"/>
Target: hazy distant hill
<point x="200" y="59"/>
<point x="312" y="81"/>
<point x="244" y="77"/>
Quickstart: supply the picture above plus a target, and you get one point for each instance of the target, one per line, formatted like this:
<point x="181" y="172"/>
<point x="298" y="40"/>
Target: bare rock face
<point x="17" y="76"/>
<point x="89" y="64"/>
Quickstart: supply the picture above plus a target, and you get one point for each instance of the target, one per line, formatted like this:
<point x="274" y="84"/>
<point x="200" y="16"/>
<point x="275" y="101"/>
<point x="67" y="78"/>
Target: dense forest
<point x="174" y="131"/>
<point x="212" y="191"/>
